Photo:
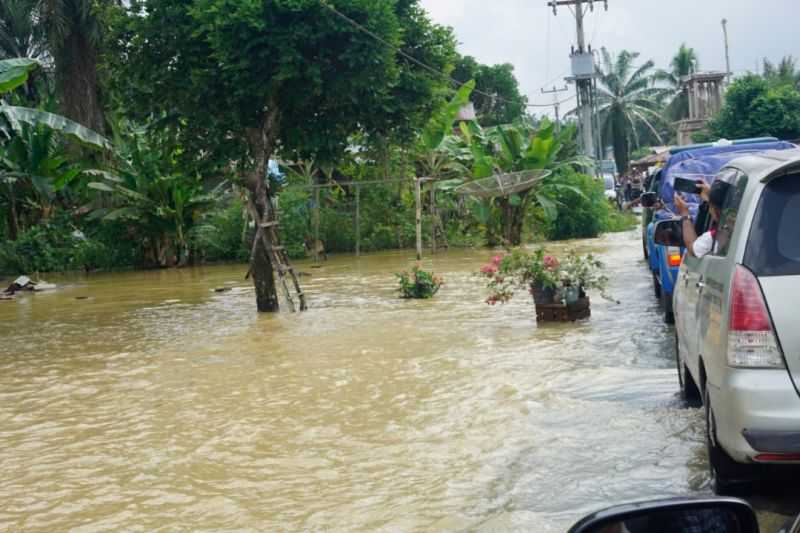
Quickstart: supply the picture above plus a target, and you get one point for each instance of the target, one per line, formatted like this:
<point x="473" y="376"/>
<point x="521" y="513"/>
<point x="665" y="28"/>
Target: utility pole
<point x="583" y="72"/>
<point x="727" y="51"/>
<point x="556" y="103"/>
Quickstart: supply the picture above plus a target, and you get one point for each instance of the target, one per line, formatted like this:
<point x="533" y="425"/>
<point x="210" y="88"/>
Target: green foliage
<point x="60" y="245"/>
<point x="221" y="235"/>
<point x="419" y="284"/>
<point x="148" y="190"/>
<point x="507" y="105"/>
<point x="754" y="109"/>
<point x="582" y="208"/>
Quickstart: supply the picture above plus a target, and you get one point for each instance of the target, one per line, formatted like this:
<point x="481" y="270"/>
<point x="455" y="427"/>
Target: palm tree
<point x="685" y="63"/>
<point x="626" y="98"/>
<point x="21" y="33"/>
<point x="74" y="33"/>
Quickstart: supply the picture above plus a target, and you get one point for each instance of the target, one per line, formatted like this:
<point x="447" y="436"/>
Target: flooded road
<point x="157" y="404"/>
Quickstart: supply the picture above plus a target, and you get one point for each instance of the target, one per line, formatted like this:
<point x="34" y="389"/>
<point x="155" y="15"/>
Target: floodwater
<point x="154" y="403"/>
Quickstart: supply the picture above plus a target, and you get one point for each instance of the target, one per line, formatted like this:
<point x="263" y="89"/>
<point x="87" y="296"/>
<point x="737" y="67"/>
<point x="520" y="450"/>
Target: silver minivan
<point x="737" y="316"/>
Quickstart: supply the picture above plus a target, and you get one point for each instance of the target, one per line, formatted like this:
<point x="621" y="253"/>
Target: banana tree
<point x="519" y="148"/>
<point x="437" y="148"/>
<point x="145" y="189"/>
<point x="32" y="165"/>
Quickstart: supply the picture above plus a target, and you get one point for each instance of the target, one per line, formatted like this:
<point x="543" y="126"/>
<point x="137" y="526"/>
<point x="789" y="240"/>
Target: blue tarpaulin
<point x="706" y="163"/>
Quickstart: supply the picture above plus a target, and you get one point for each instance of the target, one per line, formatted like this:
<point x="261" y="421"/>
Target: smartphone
<point x="687" y="185"/>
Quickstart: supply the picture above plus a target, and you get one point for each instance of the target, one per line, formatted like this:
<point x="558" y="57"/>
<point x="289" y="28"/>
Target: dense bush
<point x="579" y="215"/>
<point x="61" y="244"/>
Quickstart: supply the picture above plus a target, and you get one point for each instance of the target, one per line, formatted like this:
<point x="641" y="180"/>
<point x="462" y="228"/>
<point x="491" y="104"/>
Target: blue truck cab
<point x="692" y="162"/>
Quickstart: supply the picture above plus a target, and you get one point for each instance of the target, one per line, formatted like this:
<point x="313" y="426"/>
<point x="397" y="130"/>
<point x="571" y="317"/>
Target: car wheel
<point x="689" y="391"/>
<point x="728" y="478"/>
<point x="666" y="306"/>
<point x="656" y="287"/>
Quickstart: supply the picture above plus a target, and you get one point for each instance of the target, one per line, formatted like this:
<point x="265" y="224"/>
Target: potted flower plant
<point x="551" y="281"/>
<point x="419" y="284"/>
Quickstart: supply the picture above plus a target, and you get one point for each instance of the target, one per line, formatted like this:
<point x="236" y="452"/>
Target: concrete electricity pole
<point x="583" y="72"/>
<point x="556" y="104"/>
<point x="727" y="51"/>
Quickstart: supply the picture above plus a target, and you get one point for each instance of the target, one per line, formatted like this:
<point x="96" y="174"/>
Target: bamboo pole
<point x="315" y="244"/>
<point x="418" y="199"/>
<point x="433" y="217"/>
<point x="358" y="220"/>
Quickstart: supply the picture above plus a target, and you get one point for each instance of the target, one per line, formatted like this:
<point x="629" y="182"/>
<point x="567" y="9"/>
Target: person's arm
<point x="689" y="234"/>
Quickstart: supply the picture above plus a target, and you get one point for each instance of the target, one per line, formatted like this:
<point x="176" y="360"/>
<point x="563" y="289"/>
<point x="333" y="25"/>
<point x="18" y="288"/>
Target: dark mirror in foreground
<point x="717" y="515"/>
<point x="669" y="233"/>
<point x="649" y="199"/>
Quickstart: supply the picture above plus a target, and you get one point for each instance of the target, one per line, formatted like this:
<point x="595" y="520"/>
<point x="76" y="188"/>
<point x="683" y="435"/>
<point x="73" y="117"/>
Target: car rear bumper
<point x="757" y="412"/>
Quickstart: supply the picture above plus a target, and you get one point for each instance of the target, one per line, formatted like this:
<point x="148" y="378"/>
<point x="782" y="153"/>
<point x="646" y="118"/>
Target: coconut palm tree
<point x="74" y="32"/>
<point x="626" y="98"/>
<point x="683" y="64"/>
<point x="21" y="34"/>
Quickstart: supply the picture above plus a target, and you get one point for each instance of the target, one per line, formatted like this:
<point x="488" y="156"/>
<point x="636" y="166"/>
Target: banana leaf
<point x="34" y="117"/>
<point x="14" y="72"/>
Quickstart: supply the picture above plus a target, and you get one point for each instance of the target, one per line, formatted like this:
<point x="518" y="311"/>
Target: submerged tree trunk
<point x="12" y="217"/>
<point x="262" y="143"/>
<point x="513" y="217"/>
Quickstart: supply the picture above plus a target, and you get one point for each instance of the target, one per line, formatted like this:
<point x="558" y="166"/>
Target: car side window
<point x="730" y="212"/>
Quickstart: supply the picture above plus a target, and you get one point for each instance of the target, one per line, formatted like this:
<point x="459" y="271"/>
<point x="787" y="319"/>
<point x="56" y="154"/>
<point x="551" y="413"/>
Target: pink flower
<point x="497" y="260"/>
<point x="490" y="269"/>
<point x="551" y="262"/>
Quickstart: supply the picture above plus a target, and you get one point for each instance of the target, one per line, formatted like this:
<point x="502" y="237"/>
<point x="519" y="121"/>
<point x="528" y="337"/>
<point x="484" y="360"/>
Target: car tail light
<point x="778" y="457"/>
<point x="674" y="256"/>
<point x="751" y="339"/>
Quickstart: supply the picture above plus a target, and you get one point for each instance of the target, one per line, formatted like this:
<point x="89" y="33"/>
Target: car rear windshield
<point x="773" y="248"/>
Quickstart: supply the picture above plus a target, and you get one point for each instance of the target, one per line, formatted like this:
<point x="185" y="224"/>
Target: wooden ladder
<point x="267" y="232"/>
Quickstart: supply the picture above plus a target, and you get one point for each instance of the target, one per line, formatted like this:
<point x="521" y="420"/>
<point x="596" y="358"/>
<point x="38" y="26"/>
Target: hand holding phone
<point x="687" y="185"/>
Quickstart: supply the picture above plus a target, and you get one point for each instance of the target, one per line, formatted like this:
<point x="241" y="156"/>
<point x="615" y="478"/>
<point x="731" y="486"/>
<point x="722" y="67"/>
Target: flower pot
<point x="542" y="295"/>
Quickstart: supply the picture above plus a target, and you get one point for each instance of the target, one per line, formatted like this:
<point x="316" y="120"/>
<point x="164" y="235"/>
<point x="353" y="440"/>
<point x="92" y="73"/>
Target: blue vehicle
<point x="693" y="162"/>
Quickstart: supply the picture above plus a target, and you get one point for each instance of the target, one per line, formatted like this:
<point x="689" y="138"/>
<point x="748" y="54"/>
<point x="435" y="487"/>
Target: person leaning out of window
<point x="715" y="197"/>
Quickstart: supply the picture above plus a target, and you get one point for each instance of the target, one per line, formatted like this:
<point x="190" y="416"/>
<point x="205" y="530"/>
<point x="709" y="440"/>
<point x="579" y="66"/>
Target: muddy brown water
<point x="157" y="404"/>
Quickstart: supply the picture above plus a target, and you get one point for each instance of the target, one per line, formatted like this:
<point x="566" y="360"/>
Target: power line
<point x="419" y="63"/>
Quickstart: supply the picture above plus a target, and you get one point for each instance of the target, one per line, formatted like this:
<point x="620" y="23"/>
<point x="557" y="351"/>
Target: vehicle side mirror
<point x="669" y="232"/>
<point x="721" y="515"/>
<point x="649" y="199"/>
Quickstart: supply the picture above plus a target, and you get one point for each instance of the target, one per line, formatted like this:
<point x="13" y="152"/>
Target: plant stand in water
<point x="558" y="312"/>
<point x="267" y="232"/>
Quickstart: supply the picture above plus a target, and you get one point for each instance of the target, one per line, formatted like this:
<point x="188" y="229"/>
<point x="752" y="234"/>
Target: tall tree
<point x="236" y="81"/>
<point x="74" y="33"/>
<point x="754" y="109"/>
<point x="626" y="98"/>
<point x="683" y="64"/>
<point x="497" y="98"/>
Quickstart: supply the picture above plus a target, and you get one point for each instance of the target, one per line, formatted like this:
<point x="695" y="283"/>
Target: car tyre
<point x="666" y="307"/>
<point x="728" y="478"/>
<point x="656" y="287"/>
<point x="689" y="391"/>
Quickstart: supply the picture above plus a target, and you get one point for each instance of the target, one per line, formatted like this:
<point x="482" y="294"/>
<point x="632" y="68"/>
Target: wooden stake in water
<point x="418" y="199"/>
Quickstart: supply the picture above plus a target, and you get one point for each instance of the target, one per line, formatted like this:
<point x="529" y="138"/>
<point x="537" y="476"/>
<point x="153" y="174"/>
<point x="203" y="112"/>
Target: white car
<point x="737" y="321"/>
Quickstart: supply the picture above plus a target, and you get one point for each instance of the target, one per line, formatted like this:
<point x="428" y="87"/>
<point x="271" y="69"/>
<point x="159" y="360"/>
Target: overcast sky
<point x="526" y="34"/>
